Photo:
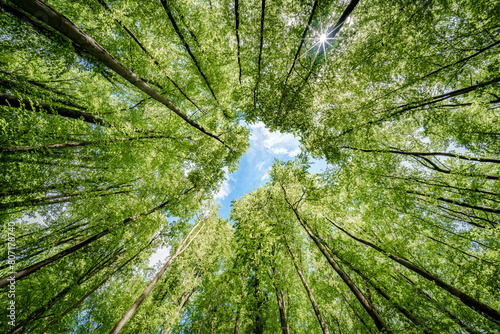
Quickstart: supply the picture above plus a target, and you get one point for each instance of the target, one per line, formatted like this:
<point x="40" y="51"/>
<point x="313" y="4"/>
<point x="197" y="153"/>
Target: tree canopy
<point x="120" y="119"/>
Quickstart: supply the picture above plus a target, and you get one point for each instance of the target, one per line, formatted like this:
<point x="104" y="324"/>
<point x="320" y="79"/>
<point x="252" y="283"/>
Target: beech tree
<point x="120" y="119"/>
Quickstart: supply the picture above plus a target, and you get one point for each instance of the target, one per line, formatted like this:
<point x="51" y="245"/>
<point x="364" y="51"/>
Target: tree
<point x="119" y="120"/>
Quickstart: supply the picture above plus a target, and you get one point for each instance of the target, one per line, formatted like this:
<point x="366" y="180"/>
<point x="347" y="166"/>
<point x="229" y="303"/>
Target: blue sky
<point x="265" y="146"/>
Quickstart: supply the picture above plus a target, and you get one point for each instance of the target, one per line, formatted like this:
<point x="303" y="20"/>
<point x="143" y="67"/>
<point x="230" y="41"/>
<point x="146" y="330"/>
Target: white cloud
<point x="160" y="255"/>
<point x="260" y="165"/>
<point x="225" y="187"/>
<point x="265" y="177"/>
<point x="275" y="142"/>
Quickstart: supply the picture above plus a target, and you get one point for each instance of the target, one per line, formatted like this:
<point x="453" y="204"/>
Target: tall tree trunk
<point x="54" y="199"/>
<point x="138" y="42"/>
<point x="367" y="305"/>
<point x="444" y="154"/>
<point x="465" y="298"/>
<point x="261" y="44"/>
<point x="204" y="315"/>
<point x="128" y="315"/>
<point x="309" y="293"/>
<point x="457" y="202"/>
<point x="238" y="312"/>
<point x="33" y="268"/>
<point x="38" y="313"/>
<point x="77" y="35"/>
<point x="186" y="45"/>
<point x="451" y="315"/>
<point x="355" y="312"/>
<point x="280" y="297"/>
<point x="16" y="149"/>
<point x="101" y="283"/>
<point x="14" y="102"/>
<point x="398" y="110"/>
<point x="184" y="299"/>
<point x="179" y="309"/>
<point x="237" y="22"/>
<point x="216" y="315"/>
<point x="408" y="314"/>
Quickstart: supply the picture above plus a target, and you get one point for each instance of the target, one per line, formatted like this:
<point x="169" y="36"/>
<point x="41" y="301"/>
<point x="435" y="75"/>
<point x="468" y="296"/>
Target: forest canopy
<point x="120" y="119"/>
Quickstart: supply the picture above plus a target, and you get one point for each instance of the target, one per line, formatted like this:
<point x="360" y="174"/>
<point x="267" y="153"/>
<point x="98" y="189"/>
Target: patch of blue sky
<point x="265" y="146"/>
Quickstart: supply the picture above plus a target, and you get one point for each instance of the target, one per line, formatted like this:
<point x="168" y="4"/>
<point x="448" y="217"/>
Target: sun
<point x="322" y="38"/>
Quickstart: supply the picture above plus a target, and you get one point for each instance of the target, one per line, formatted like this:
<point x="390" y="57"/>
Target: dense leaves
<point x="119" y="120"/>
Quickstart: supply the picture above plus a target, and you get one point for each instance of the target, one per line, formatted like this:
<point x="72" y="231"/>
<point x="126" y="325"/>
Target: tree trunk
<point x="238" y="312"/>
<point x="33" y="268"/>
<point x="14" y="102"/>
<point x="14" y="149"/>
<point x="459" y="203"/>
<point x="204" y="314"/>
<point x="280" y="296"/>
<point x="309" y="294"/>
<point x="417" y="322"/>
<point x="186" y="45"/>
<point x="81" y="300"/>
<point x="181" y="305"/>
<point x="370" y="309"/>
<point x="451" y="315"/>
<point x="54" y="199"/>
<point x="35" y="315"/>
<point x="138" y="42"/>
<point x="444" y="154"/>
<point x="128" y="315"/>
<point x="214" y="319"/>
<point x="465" y="298"/>
<point x="78" y="36"/>
<point x="184" y="299"/>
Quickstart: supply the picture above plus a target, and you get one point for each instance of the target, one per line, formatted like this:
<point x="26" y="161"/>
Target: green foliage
<point x="97" y="175"/>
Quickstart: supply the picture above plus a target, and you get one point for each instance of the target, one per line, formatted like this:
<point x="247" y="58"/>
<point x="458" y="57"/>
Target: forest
<point x="120" y="120"/>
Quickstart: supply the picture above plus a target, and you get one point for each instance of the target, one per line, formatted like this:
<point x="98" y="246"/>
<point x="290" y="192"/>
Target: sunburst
<point x="320" y="40"/>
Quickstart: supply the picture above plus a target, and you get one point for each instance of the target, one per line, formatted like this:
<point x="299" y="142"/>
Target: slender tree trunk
<point x="331" y="35"/>
<point x="38" y="313"/>
<point x="179" y="309"/>
<point x="370" y="309"/>
<point x="186" y="45"/>
<point x="465" y="298"/>
<point x="33" y="268"/>
<point x="261" y="44"/>
<point x="280" y="297"/>
<point x="138" y="42"/>
<point x="78" y="36"/>
<point x="54" y="199"/>
<point x="456" y="248"/>
<point x="215" y="317"/>
<point x="459" y="203"/>
<point x="204" y="315"/>
<point x="238" y="312"/>
<point x="14" y="102"/>
<point x="451" y="315"/>
<point x="184" y="299"/>
<point x="419" y="104"/>
<point x="444" y="154"/>
<point x="237" y="22"/>
<point x="37" y="189"/>
<point x="17" y="149"/>
<point x="441" y="184"/>
<point x="356" y="312"/>
<point x="101" y="283"/>
<point x="417" y="322"/>
<point x="128" y="315"/>
<point x="309" y="294"/>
